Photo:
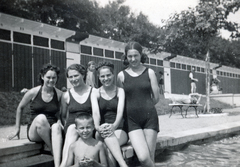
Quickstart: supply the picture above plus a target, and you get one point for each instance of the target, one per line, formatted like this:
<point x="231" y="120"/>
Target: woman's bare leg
<point x="141" y="148"/>
<point x="57" y="142"/>
<point x="151" y="139"/>
<point x="114" y="146"/>
<point x="40" y="130"/>
<point x="71" y="137"/>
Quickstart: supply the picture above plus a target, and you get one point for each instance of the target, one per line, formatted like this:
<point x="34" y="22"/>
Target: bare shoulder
<point x="120" y="75"/>
<point x="99" y="144"/>
<point x="95" y="91"/>
<point x="152" y="74"/>
<point x="151" y="71"/>
<point x="32" y="93"/>
<point x="34" y="90"/>
<point x="59" y="93"/>
<point x="120" y="79"/>
<point x="120" y="90"/>
<point x="65" y="95"/>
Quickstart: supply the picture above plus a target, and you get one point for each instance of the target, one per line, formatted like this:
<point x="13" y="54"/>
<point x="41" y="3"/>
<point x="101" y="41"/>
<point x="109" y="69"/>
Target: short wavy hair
<point x="78" y="67"/>
<point x="45" y="69"/>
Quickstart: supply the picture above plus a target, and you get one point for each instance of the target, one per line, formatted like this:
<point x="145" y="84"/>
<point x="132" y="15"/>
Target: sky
<point x="156" y="10"/>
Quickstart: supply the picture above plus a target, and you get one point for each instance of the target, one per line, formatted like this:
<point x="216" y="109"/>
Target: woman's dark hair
<point x="78" y="67"/>
<point x="105" y="64"/>
<point x="136" y="46"/>
<point x="46" y="68"/>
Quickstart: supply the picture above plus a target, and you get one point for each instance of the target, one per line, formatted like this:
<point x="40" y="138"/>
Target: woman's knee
<point x="71" y="131"/>
<point x="121" y="136"/>
<point x="56" y="129"/>
<point x="41" y="120"/>
<point x="144" y="158"/>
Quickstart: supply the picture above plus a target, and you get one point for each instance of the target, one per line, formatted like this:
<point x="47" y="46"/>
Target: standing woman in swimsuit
<point x="74" y="101"/>
<point x="142" y="93"/>
<point x="44" y="105"/>
<point x="108" y="107"/>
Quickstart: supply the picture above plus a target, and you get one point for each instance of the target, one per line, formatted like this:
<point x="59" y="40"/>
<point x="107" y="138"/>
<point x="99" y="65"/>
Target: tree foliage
<point x="189" y="33"/>
<point x="194" y="31"/>
<point x="122" y="25"/>
<point x="79" y="15"/>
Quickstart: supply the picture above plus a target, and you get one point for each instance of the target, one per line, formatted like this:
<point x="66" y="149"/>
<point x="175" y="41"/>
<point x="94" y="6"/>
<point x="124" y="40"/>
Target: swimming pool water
<point x="225" y="152"/>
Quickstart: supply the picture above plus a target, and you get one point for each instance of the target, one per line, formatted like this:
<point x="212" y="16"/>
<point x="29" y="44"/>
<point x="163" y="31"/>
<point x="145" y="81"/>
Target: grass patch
<point x="10" y="101"/>
<point x="8" y="107"/>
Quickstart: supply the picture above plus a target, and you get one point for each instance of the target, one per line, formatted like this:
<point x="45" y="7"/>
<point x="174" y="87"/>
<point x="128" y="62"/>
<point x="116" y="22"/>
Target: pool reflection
<point x="225" y="152"/>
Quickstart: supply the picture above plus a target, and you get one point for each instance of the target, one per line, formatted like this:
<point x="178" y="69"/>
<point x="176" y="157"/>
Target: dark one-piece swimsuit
<point x="108" y="111"/>
<point x="49" y="109"/>
<point x="140" y="110"/>
<point x="75" y="108"/>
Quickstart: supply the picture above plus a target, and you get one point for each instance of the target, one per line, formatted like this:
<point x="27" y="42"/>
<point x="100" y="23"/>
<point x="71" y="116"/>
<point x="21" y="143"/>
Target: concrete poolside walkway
<point x="168" y="126"/>
<point x="174" y="131"/>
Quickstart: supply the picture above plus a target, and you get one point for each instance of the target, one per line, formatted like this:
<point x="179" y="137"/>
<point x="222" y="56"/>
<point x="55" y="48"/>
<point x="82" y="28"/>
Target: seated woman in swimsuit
<point x="108" y="107"/>
<point x="74" y="101"/>
<point x="44" y="105"/>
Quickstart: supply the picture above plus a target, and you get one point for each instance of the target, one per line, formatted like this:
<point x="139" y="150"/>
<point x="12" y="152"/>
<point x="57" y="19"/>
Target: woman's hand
<point x="14" y="134"/>
<point x="106" y="130"/>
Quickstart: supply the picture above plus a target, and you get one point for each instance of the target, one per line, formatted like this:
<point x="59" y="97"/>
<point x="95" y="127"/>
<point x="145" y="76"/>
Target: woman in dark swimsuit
<point x="44" y="106"/>
<point x="108" y="107"/>
<point x="142" y="93"/>
<point x="74" y="101"/>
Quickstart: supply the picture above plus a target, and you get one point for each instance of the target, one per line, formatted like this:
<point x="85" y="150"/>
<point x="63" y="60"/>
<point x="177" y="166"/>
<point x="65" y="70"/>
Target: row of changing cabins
<point x="26" y="45"/>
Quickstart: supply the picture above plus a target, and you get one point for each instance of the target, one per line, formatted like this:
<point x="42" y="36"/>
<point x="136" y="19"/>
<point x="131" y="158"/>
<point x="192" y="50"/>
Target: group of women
<point x="120" y="112"/>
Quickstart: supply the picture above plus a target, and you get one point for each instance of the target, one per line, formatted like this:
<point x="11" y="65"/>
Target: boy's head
<point x="84" y="125"/>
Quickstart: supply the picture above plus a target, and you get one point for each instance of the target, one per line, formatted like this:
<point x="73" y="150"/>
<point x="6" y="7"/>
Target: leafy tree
<point x="122" y="25"/>
<point x="191" y="33"/>
<point x="79" y="15"/>
<point x="115" y="22"/>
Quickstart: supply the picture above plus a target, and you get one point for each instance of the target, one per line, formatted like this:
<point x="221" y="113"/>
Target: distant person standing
<point x="90" y="77"/>
<point x="161" y="83"/>
<point x="193" y="80"/>
<point x="215" y="82"/>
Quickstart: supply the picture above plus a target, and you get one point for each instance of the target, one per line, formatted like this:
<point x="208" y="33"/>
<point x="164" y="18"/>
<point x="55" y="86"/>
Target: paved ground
<point x="168" y="126"/>
<point x="177" y="124"/>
